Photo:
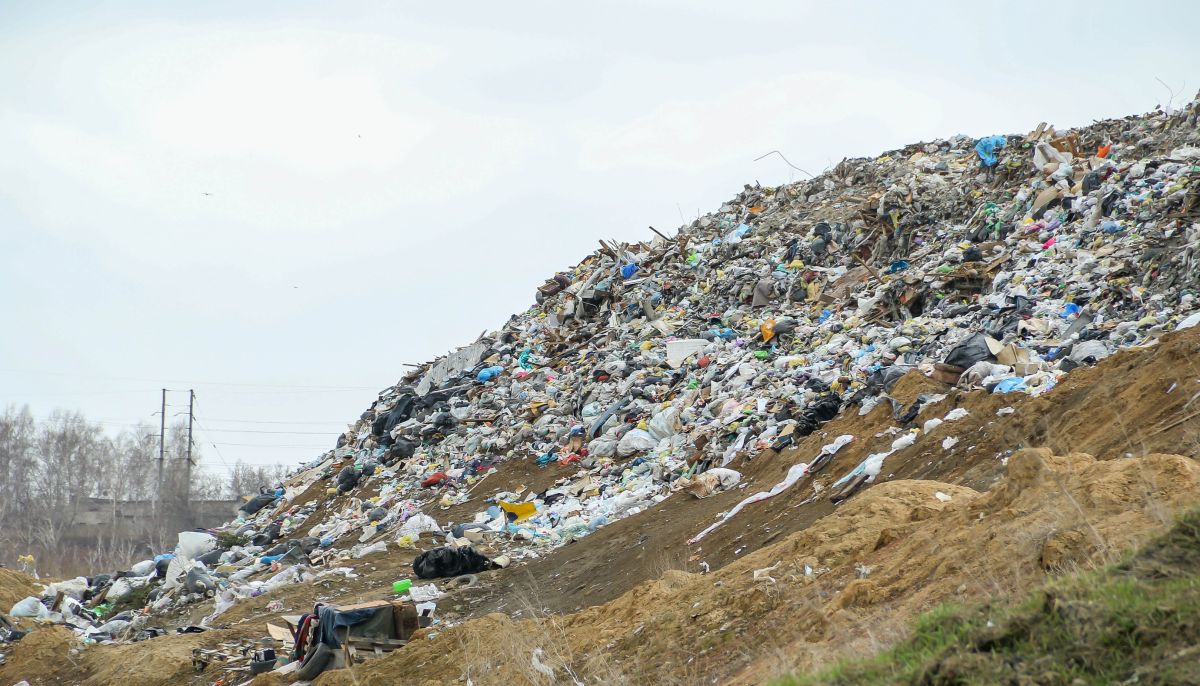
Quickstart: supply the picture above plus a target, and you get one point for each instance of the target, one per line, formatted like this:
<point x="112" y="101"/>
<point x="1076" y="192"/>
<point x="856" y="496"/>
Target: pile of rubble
<point x="645" y="370"/>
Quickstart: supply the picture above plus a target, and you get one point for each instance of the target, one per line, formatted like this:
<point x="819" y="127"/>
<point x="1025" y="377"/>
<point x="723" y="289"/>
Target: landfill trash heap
<point x="999" y="264"/>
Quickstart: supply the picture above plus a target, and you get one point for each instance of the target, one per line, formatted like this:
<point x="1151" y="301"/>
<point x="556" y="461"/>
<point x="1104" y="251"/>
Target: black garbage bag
<point x="785" y="326"/>
<point x="448" y="562"/>
<point x="403" y="448"/>
<point x="268" y="535"/>
<point x="257" y="503"/>
<point x="817" y="413"/>
<point x="347" y="479"/>
<point x="400" y="413"/>
<point x="970" y="351"/>
<point x="211" y="558"/>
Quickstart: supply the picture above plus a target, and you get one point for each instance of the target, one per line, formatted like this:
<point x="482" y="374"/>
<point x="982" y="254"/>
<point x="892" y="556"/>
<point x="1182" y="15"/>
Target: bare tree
<point x="246" y="479"/>
<point x="53" y="471"/>
<point x="17" y="468"/>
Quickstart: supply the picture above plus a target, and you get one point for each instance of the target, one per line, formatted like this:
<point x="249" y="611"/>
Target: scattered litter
<point x="764" y="573"/>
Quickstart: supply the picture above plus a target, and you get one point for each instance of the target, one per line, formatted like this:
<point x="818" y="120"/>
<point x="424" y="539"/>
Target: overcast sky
<point x="280" y="203"/>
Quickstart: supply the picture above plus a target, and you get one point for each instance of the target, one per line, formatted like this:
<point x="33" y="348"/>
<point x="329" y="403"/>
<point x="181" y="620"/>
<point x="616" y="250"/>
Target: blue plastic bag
<point x="1015" y="384"/>
<point x="628" y="270"/>
<point x="489" y="373"/>
<point x="986" y="149"/>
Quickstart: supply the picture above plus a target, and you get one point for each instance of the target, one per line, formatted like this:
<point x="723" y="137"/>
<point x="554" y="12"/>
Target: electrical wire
<point x="274" y="421"/>
<point x="268" y="445"/>
<point x="311" y="387"/>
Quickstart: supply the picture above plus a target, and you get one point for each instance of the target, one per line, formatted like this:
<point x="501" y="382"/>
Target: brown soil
<point x="15" y="586"/>
<point x="893" y="551"/>
<point x="629" y="602"/>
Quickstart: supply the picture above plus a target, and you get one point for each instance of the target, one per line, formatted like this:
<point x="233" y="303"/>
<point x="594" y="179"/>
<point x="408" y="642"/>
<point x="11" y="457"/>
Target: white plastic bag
<point x="377" y="547"/>
<point x="635" y="441"/>
<point x="121" y="587"/>
<point x="29" y="607"/>
<point x="143" y="568"/>
<point x="71" y="588"/>
<point x="664" y="424"/>
<point x="418" y="524"/>
<point x="193" y="544"/>
<point x="604" y="446"/>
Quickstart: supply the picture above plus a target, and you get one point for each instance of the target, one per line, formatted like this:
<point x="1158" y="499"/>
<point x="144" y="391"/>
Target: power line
<point x="71" y="394"/>
<point x="194" y="383"/>
<point x="214" y="446"/>
<point x="273" y="421"/>
<point x="268" y="445"/>
<point x="260" y="431"/>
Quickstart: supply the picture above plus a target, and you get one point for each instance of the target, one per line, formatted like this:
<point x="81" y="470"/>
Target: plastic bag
<point x="986" y="149"/>
<point x="635" y="441"/>
<point x="71" y="588"/>
<point x="664" y="424"/>
<point x="193" y="544"/>
<point x="377" y="547"/>
<point x="489" y="373"/>
<point x="604" y="446"/>
<point x="418" y="524"/>
<point x="143" y="568"/>
<point x="29" y="607"/>
<point x="970" y="351"/>
<point x="122" y="587"/>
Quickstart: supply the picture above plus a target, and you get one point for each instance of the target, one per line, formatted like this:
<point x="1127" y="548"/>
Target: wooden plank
<point x="362" y="642"/>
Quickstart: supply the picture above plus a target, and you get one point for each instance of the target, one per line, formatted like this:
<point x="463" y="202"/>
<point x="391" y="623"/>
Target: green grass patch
<point x="1137" y="622"/>
<point x="228" y="539"/>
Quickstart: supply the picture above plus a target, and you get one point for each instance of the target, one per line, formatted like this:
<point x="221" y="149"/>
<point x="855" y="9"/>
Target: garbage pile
<point x="998" y="264"/>
<point x="649" y="368"/>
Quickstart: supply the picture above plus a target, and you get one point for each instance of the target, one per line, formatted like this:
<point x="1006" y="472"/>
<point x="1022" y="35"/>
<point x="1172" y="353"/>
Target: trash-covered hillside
<point x="733" y="450"/>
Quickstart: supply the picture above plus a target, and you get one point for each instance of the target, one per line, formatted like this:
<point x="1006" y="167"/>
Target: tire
<point x="315" y="664"/>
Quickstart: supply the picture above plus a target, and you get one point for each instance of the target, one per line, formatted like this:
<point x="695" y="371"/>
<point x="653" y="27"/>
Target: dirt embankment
<point x="14" y="586"/>
<point x="847" y="584"/>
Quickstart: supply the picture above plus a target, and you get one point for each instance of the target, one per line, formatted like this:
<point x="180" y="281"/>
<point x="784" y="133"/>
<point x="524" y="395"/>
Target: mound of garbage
<point x="923" y="315"/>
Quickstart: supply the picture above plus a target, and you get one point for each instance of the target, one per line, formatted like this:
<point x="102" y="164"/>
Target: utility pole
<point x="162" y="441"/>
<point x="191" y="418"/>
<point x="187" y="480"/>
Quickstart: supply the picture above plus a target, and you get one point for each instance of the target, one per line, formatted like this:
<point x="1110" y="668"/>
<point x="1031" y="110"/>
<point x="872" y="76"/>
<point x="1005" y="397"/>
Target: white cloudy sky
<point x="389" y="179"/>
